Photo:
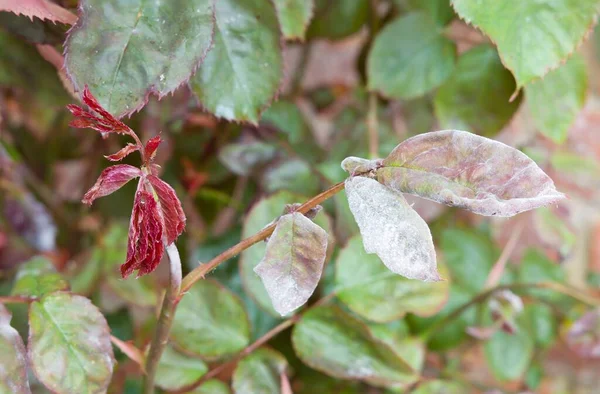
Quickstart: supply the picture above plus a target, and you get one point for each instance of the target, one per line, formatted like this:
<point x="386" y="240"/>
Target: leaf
<point x="532" y="37"/>
<point x="556" y="100"/>
<point x="210" y="322"/>
<point x="13" y="359"/>
<point x="34" y="31"/>
<point x="476" y="96"/>
<point x="97" y="117"/>
<point x="461" y="169"/>
<point x="126" y="50"/>
<point x="241" y="73"/>
<point x="584" y="335"/>
<point x="329" y="13"/>
<point x="294" y="16"/>
<point x="259" y="373"/>
<point x="42" y="9"/>
<point x="111" y="180"/>
<point x="440" y="387"/>
<point x="170" y="206"/>
<point x="536" y="268"/>
<point x="337" y="344"/>
<point x="287" y="118"/>
<point x="410" y="57"/>
<point x="212" y="386"/>
<point x="177" y="370"/>
<point x="439" y="10"/>
<point x="123" y="152"/>
<point x="372" y="291"/>
<point x="293" y="262"/>
<point x="69" y="344"/>
<point x="293" y="175"/>
<point x="242" y="158"/>
<point x="38" y="277"/>
<point x="392" y="229"/>
<point x="541" y="324"/>
<point x="395" y="334"/>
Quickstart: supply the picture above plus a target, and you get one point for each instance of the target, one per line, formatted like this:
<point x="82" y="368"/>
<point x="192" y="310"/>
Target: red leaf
<point x="104" y="123"/>
<point x="172" y="213"/>
<point x="129" y="148"/>
<point x="145" y="246"/>
<point x="42" y="9"/>
<point x="151" y="146"/>
<point x="111" y="179"/>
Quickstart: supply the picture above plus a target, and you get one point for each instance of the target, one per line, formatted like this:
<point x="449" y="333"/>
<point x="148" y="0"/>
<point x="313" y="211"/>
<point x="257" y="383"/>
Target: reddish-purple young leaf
<point x="584" y="335"/>
<point x="120" y="155"/>
<point x="13" y="359"/>
<point x="172" y="213"/>
<point x="145" y="245"/>
<point x="110" y="180"/>
<point x="461" y="169"/>
<point x="293" y="262"/>
<point x="43" y="9"/>
<point x="104" y="122"/>
<point x="151" y="146"/>
<point x="391" y="229"/>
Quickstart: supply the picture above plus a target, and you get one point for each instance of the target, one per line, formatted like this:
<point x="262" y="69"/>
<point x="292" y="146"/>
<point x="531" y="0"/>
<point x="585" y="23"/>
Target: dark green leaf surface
<point x="336" y="19"/>
<point x="13" y="358"/>
<point x="439" y="10"/>
<point x="38" y="277"/>
<point x="395" y="334"/>
<point x="177" y="370"/>
<point x="242" y="158"/>
<point x="212" y="386"/>
<point x="536" y="268"/>
<point x="259" y="373"/>
<point x="294" y="16"/>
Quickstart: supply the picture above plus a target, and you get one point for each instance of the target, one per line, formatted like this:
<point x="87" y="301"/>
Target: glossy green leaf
<point x="337" y="344"/>
<point x="38" y="277"/>
<point x="410" y="57"/>
<point x="476" y="96"/>
<point x="212" y="386"/>
<point x="259" y="373"/>
<point x="536" y="268"/>
<point x="177" y="370"/>
<point x="439" y="10"/>
<point x="125" y="50"/>
<point x="69" y="344"/>
<point x="210" y="321"/>
<point x="371" y="290"/>
<point x="441" y="387"/>
<point x="241" y="73"/>
<point x="242" y="158"/>
<point x="533" y="37"/>
<point x="329" y="13"/>
<point x="13" y="358"/>
<point x="556" y="100"/>
<point x="294" y="16"/>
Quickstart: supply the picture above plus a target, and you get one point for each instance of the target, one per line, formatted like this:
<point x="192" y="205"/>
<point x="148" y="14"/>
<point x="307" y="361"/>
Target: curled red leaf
<point x="103" y="122"/>
<point x="151" y="146"/>
<point x="110" y="180"/>
<point x="172" y="213"/>
<point x="120" y="155"/>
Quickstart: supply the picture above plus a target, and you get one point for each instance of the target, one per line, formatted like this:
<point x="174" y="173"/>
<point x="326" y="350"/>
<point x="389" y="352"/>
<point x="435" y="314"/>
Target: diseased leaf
<point x="13" y="359"/>
<point x="410" y="57"/>
<point x="329" y="13"/>
<point x="293" y="262"/>
<point x="241" y="73"/>
<point x="337" y="344"/>
<point x="172" y="212"/>
<point x="372" y="291"/>
<point x="555" y="101"/>
<point x="210" y="322"/>
<point x="125" y="50"/>
<point x="69" y="344"/>
<point x="461" y="169"/>
<point x="392" y="229"/>
<point x="123" y="152"/>
<point x="242" y="158"/>
<point x="43" y="9"/>
<point x="533" y="37"/>
<point x="177" y="370"/>
<point x="259" y="373"/>
<point x="38" y="277"/>
<point x="294" y="16"/>
<point x="111" y="180"/>
<point x="476" y="96"/>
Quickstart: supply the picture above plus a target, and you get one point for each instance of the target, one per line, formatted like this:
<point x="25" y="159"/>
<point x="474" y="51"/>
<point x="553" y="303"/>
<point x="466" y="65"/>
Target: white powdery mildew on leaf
<point x="293" y="262"/>
<point x="13" y="364"/>
<point x="391" y="229"/>
<point x="461" y="169"/>
<point x="355" y="165"/>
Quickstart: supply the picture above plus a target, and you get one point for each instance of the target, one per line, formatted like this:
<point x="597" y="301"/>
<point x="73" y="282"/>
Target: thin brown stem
<point x="372" y="126"/>
<point x="200" y="271"/>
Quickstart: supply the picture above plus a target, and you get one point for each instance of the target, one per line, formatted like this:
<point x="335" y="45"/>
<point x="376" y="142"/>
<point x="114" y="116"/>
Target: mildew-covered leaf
<point x="293" y="262"/>
<point x="533" y="37"/>
<point x="69" y="344"/>
<point x="392" y="229"/>
<point x="372" y="291"/>
<point x="13" y="358"/>
<point x="461" y="169"/>
<point x="241" y="73"/>
<point x="177" y="370"/>
<point x="294" y="16"/>
<point x="38" y="277"/>
<point x="125" y="50"/>
<point x="43" y="9"/>
<point x="259" y="373"/>
<point x="337" y="344"/>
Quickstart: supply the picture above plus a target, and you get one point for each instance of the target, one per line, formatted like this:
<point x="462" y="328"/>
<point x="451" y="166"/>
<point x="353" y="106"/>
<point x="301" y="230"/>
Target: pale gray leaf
<point x="13" y="360"/>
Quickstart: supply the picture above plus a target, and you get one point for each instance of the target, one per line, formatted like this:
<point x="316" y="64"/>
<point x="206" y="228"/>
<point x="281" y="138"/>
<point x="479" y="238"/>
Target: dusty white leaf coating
<point x="13" y="363"/>
<point x="391" y="229"/>
<point x="293" y="262"/>
<point x="356" y="165"/>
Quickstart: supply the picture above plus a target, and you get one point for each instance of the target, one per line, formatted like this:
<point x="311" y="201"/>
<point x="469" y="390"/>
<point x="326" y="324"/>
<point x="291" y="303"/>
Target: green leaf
<point x="177" y="370"/>
<point x="294" y="16"/>
<point x="556" y="100"/>
<point x="293" y="262"/>
<point x="372" y="291"/>
<point x="125" y="50"/>
<point x="242" y="158"/>
<point x="69" y="344"/>
<point x="241" y="73"/>
<point x="38" y="277"/>
<point x="293" y="175"/>
<point x="536" y="268"/>
<point x="288" y="119"/>
<point x="210" y="321"/>
<point x="336" y="19"/>
<point x="440" y="387"/>
<point x="212" y="386"/>
<point x="533" y="37"/>
<point x="439" y="10"/>
<point x="259" y="373"/>
<point x="395" y="334"/>
<point x="337" y="344"/>
<point x="541" y="324"/>
<point x="410" y="57"/>
<point x="476" y="96"/>
<point x="13" y="358"/>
